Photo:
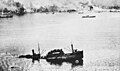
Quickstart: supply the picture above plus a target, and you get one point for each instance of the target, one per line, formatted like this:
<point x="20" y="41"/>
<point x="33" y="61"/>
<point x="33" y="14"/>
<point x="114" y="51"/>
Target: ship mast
<point x="39" y="51"/>
<point x="38" y="48"/>
<point x="72" y="48"/>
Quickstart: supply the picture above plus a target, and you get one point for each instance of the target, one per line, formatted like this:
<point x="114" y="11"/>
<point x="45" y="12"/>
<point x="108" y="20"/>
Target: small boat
<point x="6" y="15"/>
<point x="88" y="16"/>
<point x="59" y="55"/>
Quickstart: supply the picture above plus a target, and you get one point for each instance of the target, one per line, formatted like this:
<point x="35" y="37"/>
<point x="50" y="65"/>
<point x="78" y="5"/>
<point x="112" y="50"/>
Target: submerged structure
<point x="59" y="54"/>
<point x="57" y="57"/>
<point x="34" y="56"/>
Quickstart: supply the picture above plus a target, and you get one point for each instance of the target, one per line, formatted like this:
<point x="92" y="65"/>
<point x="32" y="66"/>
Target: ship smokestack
<point x="33" y="51"/>
<point x="38" y="48"/>
<point x="72" y="48"/>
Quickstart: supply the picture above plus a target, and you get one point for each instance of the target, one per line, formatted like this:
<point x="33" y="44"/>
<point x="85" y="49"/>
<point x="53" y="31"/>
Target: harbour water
<point x="98" y="37"/>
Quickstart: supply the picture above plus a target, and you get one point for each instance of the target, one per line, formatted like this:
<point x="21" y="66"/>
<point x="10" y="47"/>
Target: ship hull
<point x="88" y="16"/>
<point x="66" y="57"/>
<point x="73" y="58"/>
<point x="6" y="16"/>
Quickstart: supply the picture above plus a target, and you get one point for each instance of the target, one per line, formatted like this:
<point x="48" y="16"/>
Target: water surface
<point x="99" y="38"/>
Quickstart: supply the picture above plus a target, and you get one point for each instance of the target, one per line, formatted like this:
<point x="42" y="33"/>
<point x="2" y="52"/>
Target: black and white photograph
<point x="59" y="35"/>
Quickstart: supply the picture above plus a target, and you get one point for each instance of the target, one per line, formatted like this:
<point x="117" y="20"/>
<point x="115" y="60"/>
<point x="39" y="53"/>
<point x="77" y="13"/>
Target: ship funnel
<point x="33" y="51"/>
<point x="72" y="48"/>
<point x="38" y="48"/>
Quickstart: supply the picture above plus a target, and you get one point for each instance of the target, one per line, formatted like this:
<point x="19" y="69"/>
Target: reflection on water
<point x="72" y="62"/>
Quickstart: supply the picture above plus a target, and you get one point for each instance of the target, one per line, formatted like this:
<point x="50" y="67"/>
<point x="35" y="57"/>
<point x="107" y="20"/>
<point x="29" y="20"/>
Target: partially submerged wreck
<point x="34" y="56"/>
<point x="58" y="55"/>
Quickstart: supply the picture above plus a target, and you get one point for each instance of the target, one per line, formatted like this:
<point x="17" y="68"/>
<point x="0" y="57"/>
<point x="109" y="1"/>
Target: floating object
<point x="88" y="16"/>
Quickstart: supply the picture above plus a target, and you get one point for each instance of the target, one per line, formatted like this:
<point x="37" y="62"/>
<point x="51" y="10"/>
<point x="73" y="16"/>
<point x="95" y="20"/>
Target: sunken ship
<point x="58" y="56"/>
